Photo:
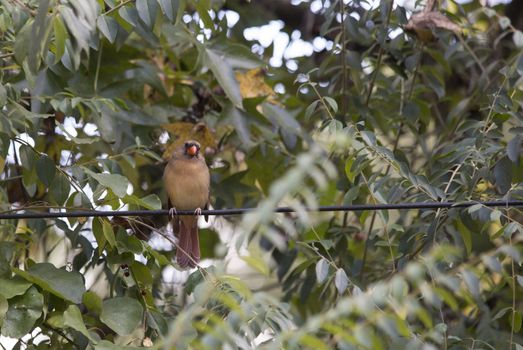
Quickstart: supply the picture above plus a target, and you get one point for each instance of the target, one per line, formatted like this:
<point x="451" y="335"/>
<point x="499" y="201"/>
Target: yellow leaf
<point x="252" y="84"/>
<point x="183" y="131"/>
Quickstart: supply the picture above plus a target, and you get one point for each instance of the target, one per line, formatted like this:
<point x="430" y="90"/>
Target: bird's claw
<point x="173" y="212"/>
<point x="198" y="211"/>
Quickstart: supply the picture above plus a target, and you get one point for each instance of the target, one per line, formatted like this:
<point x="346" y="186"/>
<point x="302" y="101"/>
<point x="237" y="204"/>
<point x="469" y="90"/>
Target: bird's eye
<point x="186" y="145"/>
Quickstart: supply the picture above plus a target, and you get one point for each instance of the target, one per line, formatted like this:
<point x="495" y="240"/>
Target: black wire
<point x="238" y="211"/>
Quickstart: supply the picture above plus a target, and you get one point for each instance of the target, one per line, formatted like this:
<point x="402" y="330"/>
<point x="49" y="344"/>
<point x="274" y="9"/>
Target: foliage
<point x="403" y="108"/>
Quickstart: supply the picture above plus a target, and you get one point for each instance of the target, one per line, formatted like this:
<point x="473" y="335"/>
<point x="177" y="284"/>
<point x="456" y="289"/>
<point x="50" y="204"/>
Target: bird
<point x="187" y="182"/>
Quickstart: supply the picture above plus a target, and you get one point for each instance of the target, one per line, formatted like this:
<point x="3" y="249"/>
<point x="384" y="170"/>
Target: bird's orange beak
<point x="192" y="151"/>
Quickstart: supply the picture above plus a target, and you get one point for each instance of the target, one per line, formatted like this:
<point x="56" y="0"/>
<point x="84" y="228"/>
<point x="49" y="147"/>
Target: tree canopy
<point x="351" y="102"/>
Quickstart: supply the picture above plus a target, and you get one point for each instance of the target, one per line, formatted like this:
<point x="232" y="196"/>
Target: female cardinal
<point x="187" y="182"/>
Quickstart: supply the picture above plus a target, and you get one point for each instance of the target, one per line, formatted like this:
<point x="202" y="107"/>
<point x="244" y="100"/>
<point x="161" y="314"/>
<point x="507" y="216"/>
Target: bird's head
<point x="191" y="148"/>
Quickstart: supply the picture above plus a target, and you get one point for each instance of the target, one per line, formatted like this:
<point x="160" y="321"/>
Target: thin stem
<point x="167" y="238"/>
<point x="62" y="334"/>
<point x="97" y="72"/>
<point x="24" y="7"/>
<point x="476" y="58"/>
<point x="71" y="179"/>
<point x="514" y="283"/>
<point x="322" y="100"/>
<point x="394" y="148"/>
<point x="117" y="7"/>
<point x="331" y="260"/>
<point x="415" y="73"/>
<point x="491" y="109"/>
<point x="11" y="178"/>
<point x="512" y="325"/>
<point x="380" y="55"/>
<point x="390" y="250"/>
<point x="113" y="282"/>
<point x="343" y="61"/>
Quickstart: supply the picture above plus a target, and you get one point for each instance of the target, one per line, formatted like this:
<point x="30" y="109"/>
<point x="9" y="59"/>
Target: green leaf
<point x="141" y="273"/>
<point x="59" y="189"/>
<point x="109" y="233"/>
<point x="257" y="263"/>
<point x="3" y="309"/>
<point x="341" y="281"/>
<point x="492" y="263"/>
<point x="501" y="313"/>
<point x="474" y="208"/>
<point x="122" y="314"/>
<point x="170" y="8"/>
<point x="515" y="321"/>
<point x="504" y="22"/>
<point x="241" y="125"/>
<point x="514" y="148"/>
<point x="195" y="279"/>
<point x="73" y="318"/>
<point x="63" y="284"/>
<point x="495" y="215"/>
<point x="282" y="118"/>
<point x="322" y="270"/>
<point x="312" y="342"/>
<point x="99" y="235"/>
<point x="332" y="103"/>
<point x="348" y="169"/>
<point x="503" y="174"/>
<point x="3" y="96"/>
<point x="369" y="138"/>
<point x="147" y="11"/>
<point x="240" y="56"/>
<point x="23" y="311"/>
<point x="117" y="183"/>
<point x="510" y="229"/>
<point x="13" y="286"/>
<point x="79" y="28"/>
<point x="203" y="7"/>
<point x="518" y="38"/>
<point x="309" y="111"/>
<point x="151" y="201"/>
<point x="447" y="297"/>
<point x="209" y="241"/>
<point x="45" y="168"/>
<point x="399" y="287"/>
<point x="466" y="236"/>
<point x="520" y="65"/>
<point x="472" y="282"/>
<point x="156" y="320"/>
<point x="351" y="195"/>
<point x="223" y="73"/>
<point x="93" y="302"/>
<point x="126" y="243"/>
<point x="60" y="35"/>
<point x="108" y="26"/>
<point x="107" y="345"/>
<point x="40" y="32"/>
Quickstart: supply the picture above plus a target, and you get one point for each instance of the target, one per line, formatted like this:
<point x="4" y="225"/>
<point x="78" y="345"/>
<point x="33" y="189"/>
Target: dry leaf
<point x="183" y="131"/>
<point x="429" y="6"/>
<point x="423" y="22"/>
<point x="252" y="84"/>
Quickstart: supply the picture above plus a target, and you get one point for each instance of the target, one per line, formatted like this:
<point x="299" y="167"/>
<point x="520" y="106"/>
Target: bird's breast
<point x="187" y="183"/>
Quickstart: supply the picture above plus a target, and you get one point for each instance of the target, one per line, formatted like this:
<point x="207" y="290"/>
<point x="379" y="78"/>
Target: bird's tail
<point x="188" y="250"/>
